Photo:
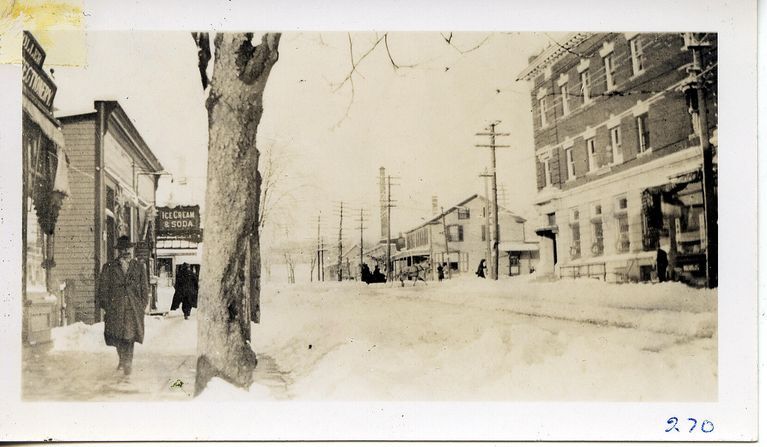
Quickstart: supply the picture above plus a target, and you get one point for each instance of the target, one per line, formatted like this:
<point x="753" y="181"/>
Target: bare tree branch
<point x="450" y="38"/>
<point x="391" y="59"/>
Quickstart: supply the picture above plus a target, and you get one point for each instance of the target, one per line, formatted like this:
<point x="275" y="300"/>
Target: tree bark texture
<point x="235" y="106"/>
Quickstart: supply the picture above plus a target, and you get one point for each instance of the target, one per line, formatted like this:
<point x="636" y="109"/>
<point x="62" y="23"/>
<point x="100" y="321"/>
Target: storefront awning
<point x="412" y="252"/>
<point x="518" y="246"/>
<point x="47" y="126"/>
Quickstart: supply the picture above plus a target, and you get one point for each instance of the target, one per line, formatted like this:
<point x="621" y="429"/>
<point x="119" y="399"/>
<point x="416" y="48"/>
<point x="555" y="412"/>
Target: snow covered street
<point x="463" y="339"/>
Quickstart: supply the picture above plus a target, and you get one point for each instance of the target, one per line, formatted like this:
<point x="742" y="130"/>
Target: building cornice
<point x="551" y="55"/>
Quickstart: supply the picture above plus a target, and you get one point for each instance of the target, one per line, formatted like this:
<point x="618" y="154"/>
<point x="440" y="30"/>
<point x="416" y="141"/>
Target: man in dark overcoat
<point x="123" y="293"/>
<point x="186" y="287"/>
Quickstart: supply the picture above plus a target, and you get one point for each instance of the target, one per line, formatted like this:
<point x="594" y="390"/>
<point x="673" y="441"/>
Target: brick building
<point x="618" y="157"/>
<point x="113" y="185"/>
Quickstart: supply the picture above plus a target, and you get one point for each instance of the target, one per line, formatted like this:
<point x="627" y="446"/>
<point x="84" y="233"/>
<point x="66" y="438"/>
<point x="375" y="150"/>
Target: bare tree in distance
<point x="230" y="267"/>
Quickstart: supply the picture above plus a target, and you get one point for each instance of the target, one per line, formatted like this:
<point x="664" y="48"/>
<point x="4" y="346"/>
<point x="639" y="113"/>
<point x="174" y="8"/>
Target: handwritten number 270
<point x="706" y="426"/>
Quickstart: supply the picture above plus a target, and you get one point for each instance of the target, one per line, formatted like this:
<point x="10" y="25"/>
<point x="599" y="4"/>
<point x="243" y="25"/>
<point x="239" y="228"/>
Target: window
<point x="637" y="56"/>
<point x="586" y="87"/>
<point x="609" y="71"/>
<point x="455" y="233"/>
<point x="564" y="95"/>
<point x="623" y="244"/>
<point x="551" y="218"/>
<point x="570" y="164"/>
<point x="575" y="247"/>
<point x="542" y="109"/>
<point x="463" y="213"/>
<point x="591" y="150"/>
<point x="575" y="229"/>
<point x="643" y="133"/>
<point x="615" y="145"/>
<point x="598" y="247"/>
<point x="546" y="173"/>
<point x="622" y="204"/>
<point x="484" y="232"/>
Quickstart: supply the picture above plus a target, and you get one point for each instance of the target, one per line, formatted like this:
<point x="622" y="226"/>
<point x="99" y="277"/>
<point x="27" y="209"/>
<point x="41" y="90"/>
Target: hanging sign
<point x="36" y="82"/>
<point x="178" y="221"/>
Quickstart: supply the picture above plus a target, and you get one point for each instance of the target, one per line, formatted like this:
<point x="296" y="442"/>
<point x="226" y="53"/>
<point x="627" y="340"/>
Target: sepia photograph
<point x="211" y="217"/>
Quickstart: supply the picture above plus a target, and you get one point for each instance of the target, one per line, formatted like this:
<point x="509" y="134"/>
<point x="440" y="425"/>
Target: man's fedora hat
<point x="124" y="242"/>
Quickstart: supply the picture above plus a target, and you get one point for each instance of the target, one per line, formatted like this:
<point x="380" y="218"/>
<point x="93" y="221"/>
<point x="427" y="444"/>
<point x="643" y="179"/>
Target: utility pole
<point x="497" y="228"/>
<point x="485" y="175"/>
<point x="447" y="249"/>
<point x="340" y="243"/>
<point x="361" y="227"/>
<point x="389" y="206"/>
<point x="697" y="90"/>
<point x="319" y="249"/>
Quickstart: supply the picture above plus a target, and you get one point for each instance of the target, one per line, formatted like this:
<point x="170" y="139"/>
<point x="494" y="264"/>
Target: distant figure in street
<point x="365" y="275"/>
<point x="440" y="272"/>
<point x="186" y="290"/>
<point x="378" y="276"/>
<point x="445" y="270"/>
<point x="123" y="293"/>
<point x="481" y="269"/>
<point x="661" y="263"/>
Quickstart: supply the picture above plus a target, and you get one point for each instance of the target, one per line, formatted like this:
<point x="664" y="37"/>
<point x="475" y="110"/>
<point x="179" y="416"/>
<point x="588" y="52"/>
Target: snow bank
<point x="220" y="390"/>
<point x="170" y="335"/>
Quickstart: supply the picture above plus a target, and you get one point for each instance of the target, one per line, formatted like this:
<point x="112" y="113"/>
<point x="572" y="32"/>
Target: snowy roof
<point x="436" y="218"/>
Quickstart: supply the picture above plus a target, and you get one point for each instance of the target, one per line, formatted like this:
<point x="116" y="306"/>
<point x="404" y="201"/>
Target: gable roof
<point x="438" y="217"/>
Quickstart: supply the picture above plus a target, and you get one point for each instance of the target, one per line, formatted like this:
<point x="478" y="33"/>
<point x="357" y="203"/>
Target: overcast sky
<point x="419" y="123"/>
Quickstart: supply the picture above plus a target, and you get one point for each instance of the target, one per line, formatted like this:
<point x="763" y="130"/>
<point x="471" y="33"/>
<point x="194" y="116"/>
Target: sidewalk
<point x="81" y="367"/>
<point x="49" y="375"/>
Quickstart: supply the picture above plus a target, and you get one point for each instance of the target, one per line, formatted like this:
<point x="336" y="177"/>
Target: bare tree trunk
<point x="234" y="108"/>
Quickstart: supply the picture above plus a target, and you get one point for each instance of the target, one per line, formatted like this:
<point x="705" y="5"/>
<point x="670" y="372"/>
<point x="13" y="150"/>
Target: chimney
<point x="434" y="206"/>
<point x="384" y="199"/>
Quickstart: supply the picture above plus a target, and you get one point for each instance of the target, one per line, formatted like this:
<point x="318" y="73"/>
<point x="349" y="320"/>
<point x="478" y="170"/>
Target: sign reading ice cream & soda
<point x="177" y="221"/>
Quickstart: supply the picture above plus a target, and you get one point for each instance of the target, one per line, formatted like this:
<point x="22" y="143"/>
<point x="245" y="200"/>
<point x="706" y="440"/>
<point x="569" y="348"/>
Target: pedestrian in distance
<point x="440" y="272"/>
<point x="123" y="294"/>
<point x="661" y="264"/>
<point x="481" y="269"/>
<point x="186" y="288"/>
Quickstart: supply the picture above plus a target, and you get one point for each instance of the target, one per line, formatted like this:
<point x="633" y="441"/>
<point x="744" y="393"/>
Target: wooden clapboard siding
<point x="74" y="250"/>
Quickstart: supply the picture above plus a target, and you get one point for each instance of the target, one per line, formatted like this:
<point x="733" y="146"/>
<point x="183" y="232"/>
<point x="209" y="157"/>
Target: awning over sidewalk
<point x="412" y="252"/>
<point x="47" y="125"/>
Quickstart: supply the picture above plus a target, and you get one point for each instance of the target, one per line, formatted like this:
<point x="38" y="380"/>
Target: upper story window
<point x="546" y="173"/>
<point x="463" y="213"/>
<point x="591" y="150"/>
<point x="606" y="53"/>
<point x="586" y="87"/>
<point x="564" y="94"/>
<point x="616" y="145"/>
<point x="637" y="56"/>
<point x="570" y="163"/>
<point x="643" y="133"/>
<point x="455" y="233"/>
<point x="609" y="71"/>
<point x="542" y="111"/>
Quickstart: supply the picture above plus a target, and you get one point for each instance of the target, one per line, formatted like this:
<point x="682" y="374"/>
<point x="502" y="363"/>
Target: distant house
<point x="459" y="236"/>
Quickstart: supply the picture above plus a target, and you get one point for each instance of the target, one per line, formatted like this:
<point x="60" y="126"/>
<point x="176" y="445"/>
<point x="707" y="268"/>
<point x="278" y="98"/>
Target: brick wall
<point x="668" y="119"/>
